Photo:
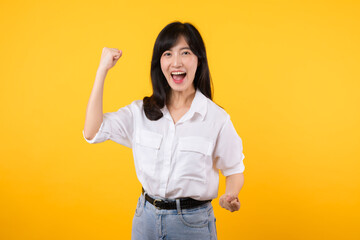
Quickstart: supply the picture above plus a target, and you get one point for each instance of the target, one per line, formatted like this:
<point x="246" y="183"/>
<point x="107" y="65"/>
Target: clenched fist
<point x="229" y="202"/>
<point x="109" y="57"/>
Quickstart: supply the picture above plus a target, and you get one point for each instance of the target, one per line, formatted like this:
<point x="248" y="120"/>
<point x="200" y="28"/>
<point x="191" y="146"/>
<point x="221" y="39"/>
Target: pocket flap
<point x="148" y="139"/>
<point x="195" y="144"/>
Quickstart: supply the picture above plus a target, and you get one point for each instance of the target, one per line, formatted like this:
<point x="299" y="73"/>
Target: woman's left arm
<point x="230" y="200"/>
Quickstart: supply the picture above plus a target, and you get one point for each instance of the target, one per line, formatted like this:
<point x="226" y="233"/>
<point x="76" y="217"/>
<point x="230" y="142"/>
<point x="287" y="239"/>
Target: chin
<point x="179" y="88"/>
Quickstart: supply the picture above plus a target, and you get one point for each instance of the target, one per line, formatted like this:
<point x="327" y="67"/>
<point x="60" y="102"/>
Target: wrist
<point x="102" y="70"/>
<point x="232" y="193"/>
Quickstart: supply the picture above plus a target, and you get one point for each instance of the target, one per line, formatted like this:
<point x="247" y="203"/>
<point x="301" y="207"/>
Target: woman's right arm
<point x="94" y="110"/>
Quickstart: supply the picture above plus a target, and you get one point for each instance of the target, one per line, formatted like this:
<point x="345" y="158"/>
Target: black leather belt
<point x="185" y="203"/>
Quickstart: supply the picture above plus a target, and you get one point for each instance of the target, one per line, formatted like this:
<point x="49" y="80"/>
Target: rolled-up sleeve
<point x="116" y="126"/>
<point x="228" y="152"/>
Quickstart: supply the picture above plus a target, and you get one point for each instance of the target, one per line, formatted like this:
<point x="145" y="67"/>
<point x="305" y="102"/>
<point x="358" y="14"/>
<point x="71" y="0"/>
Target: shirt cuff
<point x="100" y="136"/>
<point x="240" y="168"/>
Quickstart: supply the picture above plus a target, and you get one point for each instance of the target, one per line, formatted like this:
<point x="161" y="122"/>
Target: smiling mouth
<point x="178" y="76"/>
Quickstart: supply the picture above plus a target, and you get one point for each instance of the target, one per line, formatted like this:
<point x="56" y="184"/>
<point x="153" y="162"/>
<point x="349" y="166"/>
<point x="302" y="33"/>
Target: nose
<point x="177" y="62"/>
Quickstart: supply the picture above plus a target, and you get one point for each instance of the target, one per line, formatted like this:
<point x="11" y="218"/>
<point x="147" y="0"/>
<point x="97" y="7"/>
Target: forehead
<point x="180" y="43"/>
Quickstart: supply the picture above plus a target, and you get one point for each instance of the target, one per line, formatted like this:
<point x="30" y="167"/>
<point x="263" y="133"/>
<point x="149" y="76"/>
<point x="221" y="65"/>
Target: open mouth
<point x="178" y="76"/>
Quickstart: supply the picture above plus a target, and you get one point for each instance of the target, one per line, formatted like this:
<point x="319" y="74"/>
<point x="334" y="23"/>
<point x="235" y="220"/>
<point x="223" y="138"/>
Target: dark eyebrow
<point x="180" y="48"/>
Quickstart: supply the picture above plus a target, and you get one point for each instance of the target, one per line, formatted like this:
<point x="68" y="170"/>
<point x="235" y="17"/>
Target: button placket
<point x="167" y="155"/>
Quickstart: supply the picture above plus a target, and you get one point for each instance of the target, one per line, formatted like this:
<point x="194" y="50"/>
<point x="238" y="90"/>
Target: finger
<point x="235" y="206"/>
<point x="223" y="202"/>
<point x="118" y="54"/>
<point x="231" y="209"/>
<point x="228" y="206"/>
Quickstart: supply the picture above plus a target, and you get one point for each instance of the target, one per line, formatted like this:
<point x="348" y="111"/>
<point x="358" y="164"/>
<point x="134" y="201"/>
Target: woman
<point x="179" y="136"/>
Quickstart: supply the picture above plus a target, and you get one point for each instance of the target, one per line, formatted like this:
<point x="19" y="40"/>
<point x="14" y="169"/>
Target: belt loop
<point x="143" y="199"/>
<point x="178" y="206"/>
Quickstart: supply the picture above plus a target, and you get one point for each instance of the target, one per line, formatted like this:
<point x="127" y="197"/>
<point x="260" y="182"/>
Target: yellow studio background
<point x="287" y="72"/>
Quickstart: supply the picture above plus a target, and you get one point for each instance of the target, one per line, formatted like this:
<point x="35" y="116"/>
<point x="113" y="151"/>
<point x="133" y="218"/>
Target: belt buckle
<point x="157" y="201"/>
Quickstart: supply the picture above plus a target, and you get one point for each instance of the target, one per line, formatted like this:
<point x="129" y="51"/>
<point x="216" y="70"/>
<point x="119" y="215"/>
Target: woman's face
<point x="179" y="65"/>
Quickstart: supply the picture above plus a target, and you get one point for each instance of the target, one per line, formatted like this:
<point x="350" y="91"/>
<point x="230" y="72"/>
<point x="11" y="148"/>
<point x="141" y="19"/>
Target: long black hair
<point x="166" y="39"/>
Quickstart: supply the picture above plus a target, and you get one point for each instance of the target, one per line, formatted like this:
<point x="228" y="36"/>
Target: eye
<point x="186" y="53"/>
<point x="166" y="54"/>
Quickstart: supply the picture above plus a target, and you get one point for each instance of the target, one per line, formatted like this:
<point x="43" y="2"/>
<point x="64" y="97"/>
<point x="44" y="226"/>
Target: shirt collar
<point x="198" y="105"/>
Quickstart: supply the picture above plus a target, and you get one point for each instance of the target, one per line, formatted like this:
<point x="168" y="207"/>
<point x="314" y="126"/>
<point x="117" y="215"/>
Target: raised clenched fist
<point x="109" y="57"/>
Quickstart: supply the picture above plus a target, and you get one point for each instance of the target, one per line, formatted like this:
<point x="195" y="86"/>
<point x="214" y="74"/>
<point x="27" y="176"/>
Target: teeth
<point x="177" y="73"/>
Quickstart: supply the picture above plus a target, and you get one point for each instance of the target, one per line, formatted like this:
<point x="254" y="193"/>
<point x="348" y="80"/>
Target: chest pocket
<point x="147" y="150"/>
<point x="193" y="155"/>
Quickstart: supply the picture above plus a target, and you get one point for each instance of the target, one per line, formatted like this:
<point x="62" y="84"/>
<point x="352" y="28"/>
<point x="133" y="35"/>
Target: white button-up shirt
<point x="177" y="160"/>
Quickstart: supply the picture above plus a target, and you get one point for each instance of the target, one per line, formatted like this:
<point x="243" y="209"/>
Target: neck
<point x="179" y="99"/>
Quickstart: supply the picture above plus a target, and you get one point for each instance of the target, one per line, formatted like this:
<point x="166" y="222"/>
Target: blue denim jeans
<point x="150" y="223"/>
